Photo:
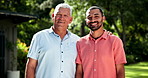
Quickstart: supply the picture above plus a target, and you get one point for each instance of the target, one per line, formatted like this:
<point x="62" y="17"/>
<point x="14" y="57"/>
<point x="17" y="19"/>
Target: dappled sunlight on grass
<point x="139" y="70"/>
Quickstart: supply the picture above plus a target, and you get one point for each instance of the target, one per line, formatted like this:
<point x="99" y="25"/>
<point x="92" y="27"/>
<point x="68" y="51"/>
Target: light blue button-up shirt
<point x="56" y="57"/>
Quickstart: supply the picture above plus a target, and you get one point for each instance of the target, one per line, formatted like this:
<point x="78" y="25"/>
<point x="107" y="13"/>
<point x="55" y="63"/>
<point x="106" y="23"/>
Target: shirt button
<point x="95" y="60"/>
<point x="61" y="71"/>
<point x="62" y="52"/>
<point x="94" y="69"/>
<point x="95" y="50"/>
<point x="62" y="61"/>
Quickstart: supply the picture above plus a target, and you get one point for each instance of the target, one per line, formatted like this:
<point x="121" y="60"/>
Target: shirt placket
<point x="62" y="59"/>
<point x="95" y="60"/>
<point x="63" y="42"/>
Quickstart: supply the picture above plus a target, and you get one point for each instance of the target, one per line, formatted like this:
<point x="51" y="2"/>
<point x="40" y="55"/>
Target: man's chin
<point x="94" y="28"/>
<point x="60" y="24"/>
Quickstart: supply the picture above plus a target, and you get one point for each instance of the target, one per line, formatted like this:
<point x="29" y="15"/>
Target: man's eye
<point x="89" y="18"/>
<point x="96" y="16"/>
<point x="58" y="15"/>
<point x="65" y="15"/>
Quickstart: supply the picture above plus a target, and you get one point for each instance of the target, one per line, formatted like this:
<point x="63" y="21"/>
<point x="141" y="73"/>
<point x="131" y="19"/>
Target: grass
<point x="139" y="70"/>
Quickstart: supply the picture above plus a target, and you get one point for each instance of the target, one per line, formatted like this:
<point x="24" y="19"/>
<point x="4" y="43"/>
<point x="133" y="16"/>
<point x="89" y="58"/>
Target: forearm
<point x="79" y="75"/>
<point x="120" y="71"/>
<point x="30" y="68"/>
<point x="30" y="72"/>
<point x="79" y="71"/>
<point x="120" y="75"/>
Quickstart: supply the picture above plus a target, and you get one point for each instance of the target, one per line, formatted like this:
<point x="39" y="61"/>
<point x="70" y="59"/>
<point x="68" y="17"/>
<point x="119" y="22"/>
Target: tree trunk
<point x="123" y="31"/>
<point x="82" y="31"/>
<point x="117" y="29"/>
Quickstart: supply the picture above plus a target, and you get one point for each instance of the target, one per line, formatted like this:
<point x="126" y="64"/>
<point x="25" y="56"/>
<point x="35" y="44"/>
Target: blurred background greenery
<point x="125" y="18"/>
<point x="138" y="70"/>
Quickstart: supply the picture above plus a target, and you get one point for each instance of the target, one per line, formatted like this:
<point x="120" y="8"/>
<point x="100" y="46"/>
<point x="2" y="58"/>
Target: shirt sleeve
<point x="34" y="48"/>
<point x="119" y="53"/>
<point x="78" y="59"/>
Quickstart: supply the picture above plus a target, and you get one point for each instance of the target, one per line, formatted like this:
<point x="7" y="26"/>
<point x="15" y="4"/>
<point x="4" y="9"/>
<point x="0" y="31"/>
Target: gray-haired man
<point x="53" y="52"/>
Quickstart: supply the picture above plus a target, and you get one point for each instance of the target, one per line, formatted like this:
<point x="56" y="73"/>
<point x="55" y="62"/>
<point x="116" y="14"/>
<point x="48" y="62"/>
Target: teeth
<point x="94" y="24"/>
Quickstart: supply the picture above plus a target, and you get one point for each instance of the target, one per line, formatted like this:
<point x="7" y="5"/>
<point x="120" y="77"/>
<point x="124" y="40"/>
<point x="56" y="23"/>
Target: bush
<point x="133" y="59"/>
<point x="136" y="50"/>
<point x="21" y="57"/>
<point x="130" y="59"/>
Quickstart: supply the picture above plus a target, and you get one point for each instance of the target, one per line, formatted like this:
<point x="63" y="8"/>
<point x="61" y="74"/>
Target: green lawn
<point x="139" y="70"/>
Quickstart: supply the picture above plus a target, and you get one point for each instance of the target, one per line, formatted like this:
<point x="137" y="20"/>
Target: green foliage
<point x="126" y="20"/>
<point x="15" y="6"/>
<point x="137" y="42"/>
<point x="138" y="49"/>
<point x="27" y="29"/>
<point x="21" y="57"/>
<point x="79" y="9"/>
<point x="131" y="59"/>
<point x="42" y="9"/>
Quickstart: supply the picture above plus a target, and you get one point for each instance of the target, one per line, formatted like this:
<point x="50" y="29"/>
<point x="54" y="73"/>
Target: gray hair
<point x="63" y="5"/>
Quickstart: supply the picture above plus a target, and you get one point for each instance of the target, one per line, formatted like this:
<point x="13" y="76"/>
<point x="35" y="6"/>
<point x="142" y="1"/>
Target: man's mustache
<point x="94" y="22"/>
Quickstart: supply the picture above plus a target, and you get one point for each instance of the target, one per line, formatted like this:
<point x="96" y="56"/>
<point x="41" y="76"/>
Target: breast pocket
<point x="70" y="50"/>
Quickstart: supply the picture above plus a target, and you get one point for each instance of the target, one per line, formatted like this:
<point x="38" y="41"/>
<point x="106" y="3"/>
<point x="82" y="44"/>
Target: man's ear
<point x="52" y="15"/>
<point x="104" y="18"/>
<point x="71" y="18"/>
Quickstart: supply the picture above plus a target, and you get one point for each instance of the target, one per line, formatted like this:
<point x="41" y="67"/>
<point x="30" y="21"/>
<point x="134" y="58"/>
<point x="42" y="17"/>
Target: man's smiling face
<point x="94" y="19"/>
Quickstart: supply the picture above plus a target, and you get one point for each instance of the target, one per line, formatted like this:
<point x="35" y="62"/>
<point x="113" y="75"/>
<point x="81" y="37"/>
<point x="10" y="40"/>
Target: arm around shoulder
<point x="30" y="68"/>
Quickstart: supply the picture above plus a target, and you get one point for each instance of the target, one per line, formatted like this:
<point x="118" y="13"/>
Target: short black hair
<point x="95" y="7"/>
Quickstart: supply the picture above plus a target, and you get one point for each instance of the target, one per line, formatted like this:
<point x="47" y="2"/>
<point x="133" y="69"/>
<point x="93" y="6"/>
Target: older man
<point x="53" y="52"/>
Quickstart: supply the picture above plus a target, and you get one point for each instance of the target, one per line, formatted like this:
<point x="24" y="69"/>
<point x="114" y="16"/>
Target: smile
<point x="60" y="22"/>
<point x="94" y="24"/>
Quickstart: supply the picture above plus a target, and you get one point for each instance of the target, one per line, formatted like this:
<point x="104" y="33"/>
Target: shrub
<point x="21" y="57"/>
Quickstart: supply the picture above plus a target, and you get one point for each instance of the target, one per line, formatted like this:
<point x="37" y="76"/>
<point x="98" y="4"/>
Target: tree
<point x="40" y="8"/>
<point x="78" y="25"/>
<point x="128" y="20"/>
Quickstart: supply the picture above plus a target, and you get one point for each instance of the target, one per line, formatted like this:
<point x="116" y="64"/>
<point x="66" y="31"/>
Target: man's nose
<point x="62" y="16"/>
<point x="93" y="19"/>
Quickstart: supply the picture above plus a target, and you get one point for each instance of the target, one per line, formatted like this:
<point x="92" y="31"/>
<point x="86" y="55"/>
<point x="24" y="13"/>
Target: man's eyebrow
<point x="93" y="14"/>
<point x="96" y="14"/>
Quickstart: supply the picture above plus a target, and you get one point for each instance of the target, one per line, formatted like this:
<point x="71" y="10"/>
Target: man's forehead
<point x="94" y="12"/>
<point x="91" y="14"/>
<point x="63" y="10"/>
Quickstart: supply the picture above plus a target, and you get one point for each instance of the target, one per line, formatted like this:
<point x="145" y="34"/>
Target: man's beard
<point x="94" y="28"/>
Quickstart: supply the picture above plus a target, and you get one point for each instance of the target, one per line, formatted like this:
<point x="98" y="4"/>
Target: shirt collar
<point x="51" y="31"/>
<point x="104" y="36"/>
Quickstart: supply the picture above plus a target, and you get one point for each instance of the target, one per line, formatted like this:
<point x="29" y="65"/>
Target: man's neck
<point x="60" y="32"/>
<point x="97" y="34"/>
